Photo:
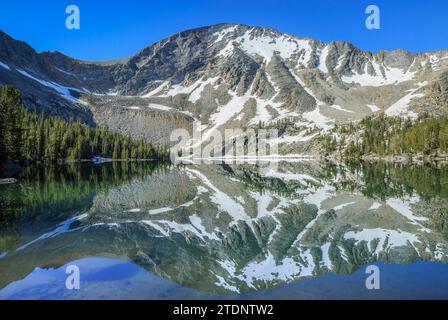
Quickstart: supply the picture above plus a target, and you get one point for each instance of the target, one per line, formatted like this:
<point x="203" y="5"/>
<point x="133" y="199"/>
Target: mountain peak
<point x="229" y="75"/>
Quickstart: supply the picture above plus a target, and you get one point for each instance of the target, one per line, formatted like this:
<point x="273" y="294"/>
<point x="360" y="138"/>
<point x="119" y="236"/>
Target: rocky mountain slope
<point x="229" y="76"/>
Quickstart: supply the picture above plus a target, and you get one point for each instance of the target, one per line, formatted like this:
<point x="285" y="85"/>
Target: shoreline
<point x="394" y="159"/>
<point x="11" y="168"/>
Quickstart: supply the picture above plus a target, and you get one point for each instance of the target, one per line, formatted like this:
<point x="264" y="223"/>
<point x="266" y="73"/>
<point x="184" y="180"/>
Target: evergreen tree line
<point x="26" y="136"/>
<point x="382" y="135"/>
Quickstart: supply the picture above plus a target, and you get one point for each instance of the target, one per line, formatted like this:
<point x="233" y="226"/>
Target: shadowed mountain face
<point x="229" y="76"/>
<point x="225" y="229"/>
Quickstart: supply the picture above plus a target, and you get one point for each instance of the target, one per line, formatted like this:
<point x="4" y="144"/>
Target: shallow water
<point x="293" y="230"/>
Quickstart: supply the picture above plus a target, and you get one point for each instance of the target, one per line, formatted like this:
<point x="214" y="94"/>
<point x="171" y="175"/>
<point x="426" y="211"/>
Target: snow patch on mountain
<point x="400" y="107"/>
<point x="394" y="238"/>
<point x="375" y="205"/>
<point x="315" y="117"/>
<point x="303" y="178"/>
<point x="335" y="106"/>
<point x="340" y="62"/>
<point x="270" y="270"/>
<point x="266" y="46"/>
<point x="195" y="95"/>
<point x="156" y="91"/>
<point x="4" y="65"/>
<point x="403" y="206"/>
<point x="373" y="107"/>
<point x="220" y="35"/>
<point x="222" y="283"/>
<point x="196" y="222"/>
<point x="159" y="107"/>
<point x="342" y="206"/>
<point x="301" y="137"/>
<point x="323" y="60"/>
<point x="326" y="261"/>
<point x="227" y="111"/>
<point x="62" y="90"/>
<point x="222" y="200"/>
<point x="391" y="76"/>
<point x="318" y="119"/>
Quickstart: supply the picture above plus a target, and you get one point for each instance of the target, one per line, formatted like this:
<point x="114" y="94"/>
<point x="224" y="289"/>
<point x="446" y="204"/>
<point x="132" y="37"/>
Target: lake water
<point x="296" y="230"/>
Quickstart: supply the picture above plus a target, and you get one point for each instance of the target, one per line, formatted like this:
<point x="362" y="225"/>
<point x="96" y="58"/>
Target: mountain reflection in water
<point x="222" y="230"/>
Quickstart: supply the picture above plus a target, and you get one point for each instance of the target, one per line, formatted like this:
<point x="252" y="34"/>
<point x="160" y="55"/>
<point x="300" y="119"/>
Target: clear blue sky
<point x="113" y="29"/>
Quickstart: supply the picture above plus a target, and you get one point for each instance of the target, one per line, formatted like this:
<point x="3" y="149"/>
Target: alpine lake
<point x="156" y="230"/>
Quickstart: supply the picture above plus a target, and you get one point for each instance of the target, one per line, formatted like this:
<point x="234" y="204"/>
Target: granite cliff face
<point x="229" y="76"/>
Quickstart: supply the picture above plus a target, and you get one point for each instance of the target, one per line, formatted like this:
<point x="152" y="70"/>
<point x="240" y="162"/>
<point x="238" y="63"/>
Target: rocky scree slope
<point x="230" y="76"/>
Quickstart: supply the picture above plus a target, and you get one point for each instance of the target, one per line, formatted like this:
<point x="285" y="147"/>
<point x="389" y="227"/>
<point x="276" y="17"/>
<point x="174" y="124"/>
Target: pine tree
<point x="26" y="136"/>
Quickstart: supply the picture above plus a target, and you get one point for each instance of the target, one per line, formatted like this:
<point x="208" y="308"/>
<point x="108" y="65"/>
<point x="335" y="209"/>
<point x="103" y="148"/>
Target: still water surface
<point x="304" y="230"/>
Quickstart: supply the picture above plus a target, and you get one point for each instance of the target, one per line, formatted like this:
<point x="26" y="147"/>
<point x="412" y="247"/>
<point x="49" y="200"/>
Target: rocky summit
<point x="230" y="76"/>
